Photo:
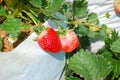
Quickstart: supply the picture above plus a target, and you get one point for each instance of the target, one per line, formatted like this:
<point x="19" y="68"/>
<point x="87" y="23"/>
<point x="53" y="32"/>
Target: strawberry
<point x="69" y="42"/>
<point x="117" y="6"/>
<point x="49" y="40"/>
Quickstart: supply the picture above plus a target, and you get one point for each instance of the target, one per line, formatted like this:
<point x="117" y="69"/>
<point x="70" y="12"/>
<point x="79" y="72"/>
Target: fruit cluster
<point x="50" y="41"/>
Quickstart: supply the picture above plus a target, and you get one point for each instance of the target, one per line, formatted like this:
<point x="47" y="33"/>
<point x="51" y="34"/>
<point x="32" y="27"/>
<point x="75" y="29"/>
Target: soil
<point x="7" y="45"/>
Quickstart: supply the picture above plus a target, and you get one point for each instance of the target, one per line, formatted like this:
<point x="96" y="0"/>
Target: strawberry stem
<point x="92" y="27"/>
<point x="31" y="17"/>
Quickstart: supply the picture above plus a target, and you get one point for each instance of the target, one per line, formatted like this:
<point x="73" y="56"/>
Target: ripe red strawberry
<point x="49" y="41"/>
<point x="117" y="6"/>
<point x="69" y="42"/>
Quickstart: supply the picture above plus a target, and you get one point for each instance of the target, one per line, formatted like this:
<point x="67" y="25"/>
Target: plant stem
<point x="92" y="27"/>
<point x="31" y="17"/>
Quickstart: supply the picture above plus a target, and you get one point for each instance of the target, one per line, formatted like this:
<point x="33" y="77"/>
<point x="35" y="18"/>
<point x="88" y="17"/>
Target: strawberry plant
<point x="81" y="63"/>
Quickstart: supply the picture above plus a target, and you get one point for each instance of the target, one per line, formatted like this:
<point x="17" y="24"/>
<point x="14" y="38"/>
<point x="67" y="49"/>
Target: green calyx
<point x="63" y="31"/>
<point x="39" y="29"/>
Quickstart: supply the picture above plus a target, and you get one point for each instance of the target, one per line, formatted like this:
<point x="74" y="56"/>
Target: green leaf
<point x="14" y="4"/>
<point x="90" y="66"/>
<point x="81" y="30"/>
<point x="67" y="10"/>
<point x="101" y="34"/>
<point x="12" y="26"/>
<point x="114" y="36"/>
<point x="116" y="68"/>
<point x="109" y="40"/>
<point x="2" y="11"/>
<point x="26" y="26"/>
<point x="98" y="35"/>
<point x="115" y="47"/>
<point x="92" y="18"/>
<point x="53" y="7"/>
<point x="36" y="3"/>
<point x="115" y="63"/>
<point x="80" y="8"/>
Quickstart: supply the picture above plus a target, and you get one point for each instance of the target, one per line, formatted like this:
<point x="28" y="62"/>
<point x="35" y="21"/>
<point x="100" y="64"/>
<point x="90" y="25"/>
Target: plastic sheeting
<point x="101" y="7"/>
<point x="29" y="62"/>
